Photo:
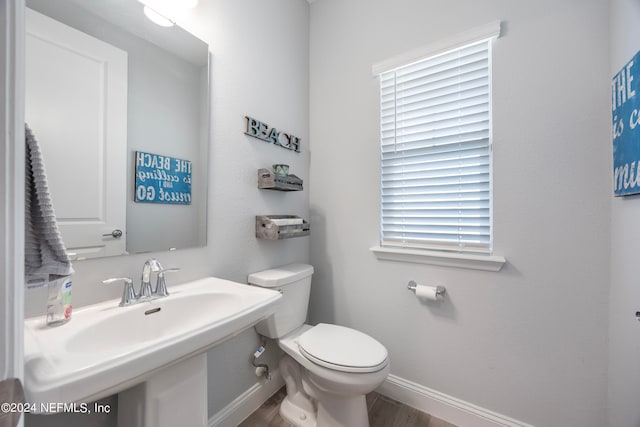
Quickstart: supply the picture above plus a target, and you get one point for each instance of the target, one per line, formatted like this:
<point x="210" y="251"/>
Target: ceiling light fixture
<point x="156" y="18"/>
<point x="165" y="12"/>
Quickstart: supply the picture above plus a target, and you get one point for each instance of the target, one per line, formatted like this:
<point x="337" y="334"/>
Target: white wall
<point x="260" y="67"/>
<point x="530" y="341"/>
<point x="624" y="330"/>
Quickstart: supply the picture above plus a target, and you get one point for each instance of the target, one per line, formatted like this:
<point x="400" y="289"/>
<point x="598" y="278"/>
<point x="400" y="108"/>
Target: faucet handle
<point x="151" y="265"/>
<point x="161" y="285"/>
<point x="128" y="294"/>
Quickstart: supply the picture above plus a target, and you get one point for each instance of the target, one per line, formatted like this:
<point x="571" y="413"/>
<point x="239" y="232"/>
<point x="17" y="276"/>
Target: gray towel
<point x="45" y="254"/>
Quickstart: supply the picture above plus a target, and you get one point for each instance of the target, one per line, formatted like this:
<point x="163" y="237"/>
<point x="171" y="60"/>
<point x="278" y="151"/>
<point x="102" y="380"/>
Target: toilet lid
<point x="342" y="349"/>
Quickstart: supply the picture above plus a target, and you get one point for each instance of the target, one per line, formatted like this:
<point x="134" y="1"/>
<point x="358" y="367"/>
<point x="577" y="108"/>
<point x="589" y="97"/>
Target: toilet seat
<point x="342" y="349"/>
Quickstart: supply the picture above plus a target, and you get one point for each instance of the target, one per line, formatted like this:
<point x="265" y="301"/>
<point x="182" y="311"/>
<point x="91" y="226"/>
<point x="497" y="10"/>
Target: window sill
<point x="446" y="259"/>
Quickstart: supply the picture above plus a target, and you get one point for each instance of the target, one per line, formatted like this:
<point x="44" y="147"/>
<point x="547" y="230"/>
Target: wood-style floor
<point x="383" y="412"/>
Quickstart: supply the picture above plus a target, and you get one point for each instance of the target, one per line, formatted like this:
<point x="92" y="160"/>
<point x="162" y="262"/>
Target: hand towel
<point x="45" y="254"/>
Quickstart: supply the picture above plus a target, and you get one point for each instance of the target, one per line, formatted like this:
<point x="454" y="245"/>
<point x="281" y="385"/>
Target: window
<point x="435" y="120"/>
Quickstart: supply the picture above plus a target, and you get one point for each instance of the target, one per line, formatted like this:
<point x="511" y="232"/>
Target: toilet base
<point x="341" y="411"/>
<point x="331" y="413"/>
<point x="295" y="415"/>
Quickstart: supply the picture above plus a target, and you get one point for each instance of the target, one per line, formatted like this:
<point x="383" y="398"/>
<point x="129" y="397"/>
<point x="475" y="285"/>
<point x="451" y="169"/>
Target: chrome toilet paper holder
<point x="440" y="290"/>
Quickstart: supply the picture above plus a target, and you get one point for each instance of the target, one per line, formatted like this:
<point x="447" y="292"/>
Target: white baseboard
<point x="244" y="405"/>
<point x="440" y="405"/>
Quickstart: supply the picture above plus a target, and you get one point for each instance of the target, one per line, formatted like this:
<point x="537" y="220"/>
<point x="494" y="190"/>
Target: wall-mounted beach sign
<point x="264" y="132"/>
<point x="625" y="107"/>
<point x="162" y="179"/>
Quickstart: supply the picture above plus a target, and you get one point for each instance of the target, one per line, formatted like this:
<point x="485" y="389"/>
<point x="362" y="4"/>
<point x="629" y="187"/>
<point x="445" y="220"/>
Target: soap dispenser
<point x="59" y="301"/>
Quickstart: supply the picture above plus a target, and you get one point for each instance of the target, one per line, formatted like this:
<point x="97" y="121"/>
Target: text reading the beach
<point x="162" y="179"/>
<point x="625" y="128"/>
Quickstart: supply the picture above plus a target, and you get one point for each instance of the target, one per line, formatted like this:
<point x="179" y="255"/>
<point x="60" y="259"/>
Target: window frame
<point x="444" y="256"/>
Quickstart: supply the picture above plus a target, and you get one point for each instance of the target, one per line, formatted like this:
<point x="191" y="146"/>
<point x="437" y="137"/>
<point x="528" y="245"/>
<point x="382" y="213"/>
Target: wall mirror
<point x="120" y="107"/>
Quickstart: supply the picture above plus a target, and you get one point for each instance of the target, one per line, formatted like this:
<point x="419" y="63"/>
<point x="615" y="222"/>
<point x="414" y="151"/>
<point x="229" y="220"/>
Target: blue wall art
<point x="162" y="179"/>
<point x="625" y="128"/>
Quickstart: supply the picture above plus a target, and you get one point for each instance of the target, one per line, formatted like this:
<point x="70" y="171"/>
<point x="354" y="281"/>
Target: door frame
<point x="12" y="188"/>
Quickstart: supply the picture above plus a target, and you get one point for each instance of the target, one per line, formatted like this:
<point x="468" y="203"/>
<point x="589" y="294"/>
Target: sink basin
<point x="121" y="331"/>
<point x="105" y="348"/>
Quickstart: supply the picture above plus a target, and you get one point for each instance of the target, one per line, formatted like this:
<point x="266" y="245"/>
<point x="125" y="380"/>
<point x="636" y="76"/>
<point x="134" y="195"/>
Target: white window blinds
<point x="436" y="152"/>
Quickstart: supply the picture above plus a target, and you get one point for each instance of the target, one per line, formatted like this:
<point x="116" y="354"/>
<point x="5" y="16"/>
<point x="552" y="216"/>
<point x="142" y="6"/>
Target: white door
<point x="76" y="105"/>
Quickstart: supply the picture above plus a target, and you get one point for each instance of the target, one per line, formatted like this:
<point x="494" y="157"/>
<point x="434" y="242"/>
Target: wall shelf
<point x="267" y="180"/>
<point x="278" y="227"/>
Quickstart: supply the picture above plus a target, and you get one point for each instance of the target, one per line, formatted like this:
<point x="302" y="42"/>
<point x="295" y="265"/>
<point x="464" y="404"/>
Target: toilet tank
<point x="294" y="281"/>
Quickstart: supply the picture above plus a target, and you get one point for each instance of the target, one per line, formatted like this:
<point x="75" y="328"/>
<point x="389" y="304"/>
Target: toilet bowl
<point x="335" y="389"/>
<point x="328" y="369"/>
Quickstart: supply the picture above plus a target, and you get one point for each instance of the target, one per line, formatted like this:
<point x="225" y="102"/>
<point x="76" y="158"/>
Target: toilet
<point x="327" y="369"/>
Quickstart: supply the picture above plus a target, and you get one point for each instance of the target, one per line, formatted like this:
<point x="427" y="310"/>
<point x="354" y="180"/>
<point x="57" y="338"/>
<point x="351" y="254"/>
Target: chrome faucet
<point x="161" y="285"/>
<point x="129" y="296"/>
<point x="150" y="265"/>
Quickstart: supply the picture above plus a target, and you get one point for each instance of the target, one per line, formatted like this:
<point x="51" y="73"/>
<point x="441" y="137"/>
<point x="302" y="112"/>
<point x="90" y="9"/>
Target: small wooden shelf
<point x="268" y="180"/>
<point x="278" y="227"/>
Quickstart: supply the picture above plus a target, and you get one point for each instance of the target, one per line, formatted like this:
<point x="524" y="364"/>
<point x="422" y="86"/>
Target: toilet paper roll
<point x="426" y="293"/>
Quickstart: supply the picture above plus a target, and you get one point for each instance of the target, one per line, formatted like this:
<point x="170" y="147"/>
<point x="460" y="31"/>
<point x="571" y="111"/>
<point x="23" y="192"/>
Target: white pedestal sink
<point x="106" y="349"/>
<point x="175" y="396"/>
